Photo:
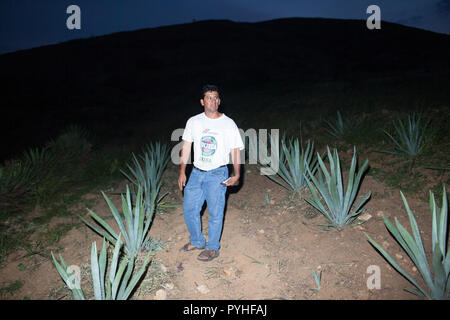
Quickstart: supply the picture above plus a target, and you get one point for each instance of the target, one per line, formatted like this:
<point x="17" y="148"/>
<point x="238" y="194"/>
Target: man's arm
<point x="185" y="153"/>
<point x="236" y="159"/>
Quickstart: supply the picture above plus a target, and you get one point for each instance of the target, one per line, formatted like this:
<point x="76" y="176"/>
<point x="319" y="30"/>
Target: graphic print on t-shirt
<point x="208" y="146"/>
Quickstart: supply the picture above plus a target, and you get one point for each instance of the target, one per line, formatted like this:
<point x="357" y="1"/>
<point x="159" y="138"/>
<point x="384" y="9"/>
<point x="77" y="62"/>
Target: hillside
<point x="150" y="74"/>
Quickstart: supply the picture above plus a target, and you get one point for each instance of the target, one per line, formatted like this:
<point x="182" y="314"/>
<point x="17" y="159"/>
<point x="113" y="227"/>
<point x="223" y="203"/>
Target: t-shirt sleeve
<point x="236" y="139"/>
<point x="187" y="134"/>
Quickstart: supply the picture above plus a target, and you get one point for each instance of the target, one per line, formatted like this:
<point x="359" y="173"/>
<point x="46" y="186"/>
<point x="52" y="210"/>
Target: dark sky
<point x="31" y="23"/>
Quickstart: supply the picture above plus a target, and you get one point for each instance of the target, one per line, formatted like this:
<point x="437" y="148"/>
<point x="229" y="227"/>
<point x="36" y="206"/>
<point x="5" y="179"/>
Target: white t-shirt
<point x="213" y="140"/>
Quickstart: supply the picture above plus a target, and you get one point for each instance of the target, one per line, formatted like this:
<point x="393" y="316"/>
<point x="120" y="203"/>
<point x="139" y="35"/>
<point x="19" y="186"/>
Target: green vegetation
<point x="117" y="286"/>
<point x="437" y="279"/>
<point x="331" y="189"/>
<point x="340" y="128"/>
<point x="409" y="139"/>
<point x="149" y="177"/>
<point x="9" y="290"/>
<point x="134" y="224"/>
<point x="294" y="163"/>
<point x="317" y="279"/>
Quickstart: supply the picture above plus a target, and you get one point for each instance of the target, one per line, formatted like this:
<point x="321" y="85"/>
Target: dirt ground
<point x="271" y="243"/>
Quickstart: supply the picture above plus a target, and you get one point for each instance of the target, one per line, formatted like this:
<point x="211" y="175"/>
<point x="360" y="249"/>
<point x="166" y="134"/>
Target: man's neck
<point x="213" y="115"/>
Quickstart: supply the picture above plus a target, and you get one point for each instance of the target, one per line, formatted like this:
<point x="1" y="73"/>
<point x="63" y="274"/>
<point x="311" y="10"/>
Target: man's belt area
<point x="209" y="170"/>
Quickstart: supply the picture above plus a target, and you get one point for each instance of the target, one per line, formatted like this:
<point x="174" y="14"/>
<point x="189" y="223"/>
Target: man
<point x="215" y="137"/>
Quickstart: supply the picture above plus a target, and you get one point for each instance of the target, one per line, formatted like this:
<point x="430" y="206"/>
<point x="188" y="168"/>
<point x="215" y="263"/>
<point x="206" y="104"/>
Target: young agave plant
<point x="294" y="163"/>
<point x="155" y="158"/>
<point x="133" y="224"/>
<point x="117" y="286"/>
<point x="438" y="286"/>
<point x="331" y="189"/>
<point x="409" y="139"/>
<point x="340" y="128"/>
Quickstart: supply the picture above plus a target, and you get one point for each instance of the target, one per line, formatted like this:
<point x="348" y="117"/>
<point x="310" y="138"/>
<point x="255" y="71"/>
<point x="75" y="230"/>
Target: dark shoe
<point x="189" y="247"/>
<point x="208" y="255"/>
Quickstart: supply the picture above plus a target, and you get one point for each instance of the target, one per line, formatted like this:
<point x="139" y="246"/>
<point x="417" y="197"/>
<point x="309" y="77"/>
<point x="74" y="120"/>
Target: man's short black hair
<point x="209" y="87"/>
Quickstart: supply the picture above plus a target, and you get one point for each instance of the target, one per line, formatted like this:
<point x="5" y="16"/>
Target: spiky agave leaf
<point x="409" y="139"/>
<point x="331" y="189"/>
<point x="63" y="272"/>
<point x="294" y="161"/>
<point x="413" y="246"/>
<point x="133" y="222"/>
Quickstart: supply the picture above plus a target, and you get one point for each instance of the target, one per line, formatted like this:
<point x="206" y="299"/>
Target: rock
<point x="272" y="202"/>
<point x="365" y="217"/>
<point x="161" y="294"/>
<point x="261" y="231"/>
<point x="169" y="286"/>
<point x="380" y="214"/>
<point x="414" y="269"/>
<point x="398" y="256"/>
<point x="203" y="289"/>
<point x="230" y="273"/>
<point x="385" y="244"/>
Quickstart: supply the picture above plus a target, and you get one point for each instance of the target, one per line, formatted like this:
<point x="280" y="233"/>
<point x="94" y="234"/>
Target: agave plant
<point x="294" y="163"/>
<point x="117" y="286"/>
<point x="340" y="128"/>
<point x="155" y="158"/>
<point x="438" y="286"/>
<point x="331" y="189"/>
<point x="133" y="224"/>
<point x="409" y="139"/>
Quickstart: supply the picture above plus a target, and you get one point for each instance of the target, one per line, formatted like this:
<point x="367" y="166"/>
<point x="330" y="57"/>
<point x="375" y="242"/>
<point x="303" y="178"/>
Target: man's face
<point x="211" y="101"/>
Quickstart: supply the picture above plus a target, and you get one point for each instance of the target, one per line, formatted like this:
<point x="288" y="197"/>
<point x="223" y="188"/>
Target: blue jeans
<point x="200" y="187"/>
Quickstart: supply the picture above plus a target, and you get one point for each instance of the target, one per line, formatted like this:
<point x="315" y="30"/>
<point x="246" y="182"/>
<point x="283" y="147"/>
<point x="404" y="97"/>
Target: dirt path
<point x="271" y="243"/>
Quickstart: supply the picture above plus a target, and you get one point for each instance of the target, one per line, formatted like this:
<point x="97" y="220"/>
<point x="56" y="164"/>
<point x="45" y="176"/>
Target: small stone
<point x="365" y="217"/>
<point x="161" y="294"/>
<point x="414" y="269"/>
<point x="272" y="202"/>
<point x="380" y="214"/>
<point x="230" y="273"/>
<point x="203" y="289"/>
<point x="385" y="244"/>
<point x="398" y="256"/>
<point x="169" y="286"/>
<point x="261" y="231"/>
